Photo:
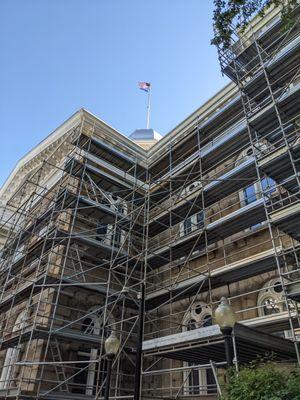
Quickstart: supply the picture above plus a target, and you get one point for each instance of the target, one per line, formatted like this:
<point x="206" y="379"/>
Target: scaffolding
<point x="77" y="239"/>
<point x="224" y="214"/>
<point x="264" y="63"/>
<point x="145" y="243"/>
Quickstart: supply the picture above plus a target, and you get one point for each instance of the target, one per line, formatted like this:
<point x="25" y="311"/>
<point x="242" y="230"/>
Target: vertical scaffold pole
<point x="139" y="348"/>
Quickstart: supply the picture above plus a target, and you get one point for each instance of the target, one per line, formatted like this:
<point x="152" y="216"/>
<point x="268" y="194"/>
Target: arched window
<point x="271" y="301"/>
<point x="12" y="354"/>
<point x="198" y="382"/>
<point x="85" y="379"/>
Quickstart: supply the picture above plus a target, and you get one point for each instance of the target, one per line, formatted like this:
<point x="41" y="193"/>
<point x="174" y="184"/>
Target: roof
<point x="145" y="134"/>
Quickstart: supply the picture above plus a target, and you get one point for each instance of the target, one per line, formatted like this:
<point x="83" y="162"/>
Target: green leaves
<point x="235" y="14"/>
<point x="264" y="382"/>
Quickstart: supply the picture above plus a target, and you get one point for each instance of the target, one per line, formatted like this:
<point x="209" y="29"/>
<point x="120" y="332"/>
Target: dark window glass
<point x="278" y="287"/>
<point x="207" y="320"/>
<point x="271" y="307"/>
<point x="101" y="231"/>
<point x="211" y="382"/>
<point x="249" y="194"/>
<point x="116" y="240"/>
<point x="200" y="219"/>
<point x="194" y="381"/>
<point x="191" y="325"/>
<point x="80" y="379"/>
<point x="268" y="185"/>
<point x="187" y="226"/>
<point x="198" y="309"/>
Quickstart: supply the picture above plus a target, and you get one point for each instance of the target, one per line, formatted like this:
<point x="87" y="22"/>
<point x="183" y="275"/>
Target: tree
<point x="228" y="13"/>
<point x="263" y="382"/>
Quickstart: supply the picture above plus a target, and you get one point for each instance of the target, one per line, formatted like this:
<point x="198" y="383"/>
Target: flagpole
<point x="148" y="108"/>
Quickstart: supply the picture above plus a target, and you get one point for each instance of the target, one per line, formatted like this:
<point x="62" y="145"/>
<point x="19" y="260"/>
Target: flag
<point x="146" y="86"/>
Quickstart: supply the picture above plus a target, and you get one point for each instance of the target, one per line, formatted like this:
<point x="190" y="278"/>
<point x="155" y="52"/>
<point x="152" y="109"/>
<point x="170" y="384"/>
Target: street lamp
<point x="225" y="318"/>
<point x="111" y="346"/>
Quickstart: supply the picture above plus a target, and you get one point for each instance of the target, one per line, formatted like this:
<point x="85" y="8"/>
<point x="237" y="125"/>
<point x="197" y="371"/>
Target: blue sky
<point x="60" y="55"/>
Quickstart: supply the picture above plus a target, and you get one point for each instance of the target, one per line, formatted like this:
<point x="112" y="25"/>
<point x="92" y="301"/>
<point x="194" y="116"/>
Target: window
<point x="84" y="382"/>
<point x="101" y="231"/>
<point x="187" y="226"/>
<point x="110" y="234"/>
<point x="191" y="188"/>
<point x="270" y="301"/>
<point x="268" y="185"/>
<point x="192" y="223"/>
<point x="255" y="191"/>
<point x="258" y="189"/>
<point x="117" y="236"/>
<point x="18" y="253"/>
<point x="200" y="220"/>
<point x="12" y="354"/>
<point x="249" y="194"/>
<point x="198" y="382"/>
<point x="207" y="320"/>
<point x="116" y="203"/>
<point x="121" y="206"/>
<point x="270" y="306"/>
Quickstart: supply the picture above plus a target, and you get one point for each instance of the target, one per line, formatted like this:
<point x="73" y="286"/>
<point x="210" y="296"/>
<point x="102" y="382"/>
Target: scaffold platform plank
<point x="205" y="344"/>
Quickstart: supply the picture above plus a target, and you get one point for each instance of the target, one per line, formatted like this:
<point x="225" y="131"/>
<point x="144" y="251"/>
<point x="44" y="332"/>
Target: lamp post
<point x="111" y="346"/>
<point x="225" y="318"/>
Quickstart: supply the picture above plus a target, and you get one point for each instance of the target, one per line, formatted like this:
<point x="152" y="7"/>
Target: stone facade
<point x="210" y="210"/>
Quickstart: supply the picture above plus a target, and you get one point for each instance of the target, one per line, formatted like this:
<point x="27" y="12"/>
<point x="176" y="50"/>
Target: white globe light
<point x="224" y="315"/>
<point x="111" y="345"/>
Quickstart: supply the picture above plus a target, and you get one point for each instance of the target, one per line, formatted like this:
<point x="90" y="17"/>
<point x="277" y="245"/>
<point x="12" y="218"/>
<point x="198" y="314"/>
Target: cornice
<point x="51" y="143"/>
<point x="30" y="161"/>
<point x="115" y="134"/>
<point x="50" y="146"/>
<point x="199" y="115"/>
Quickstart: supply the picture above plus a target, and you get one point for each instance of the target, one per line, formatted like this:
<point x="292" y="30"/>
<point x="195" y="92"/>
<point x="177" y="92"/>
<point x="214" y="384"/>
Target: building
<point x="145" y="138"/>
<point x="96" y="224"/>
